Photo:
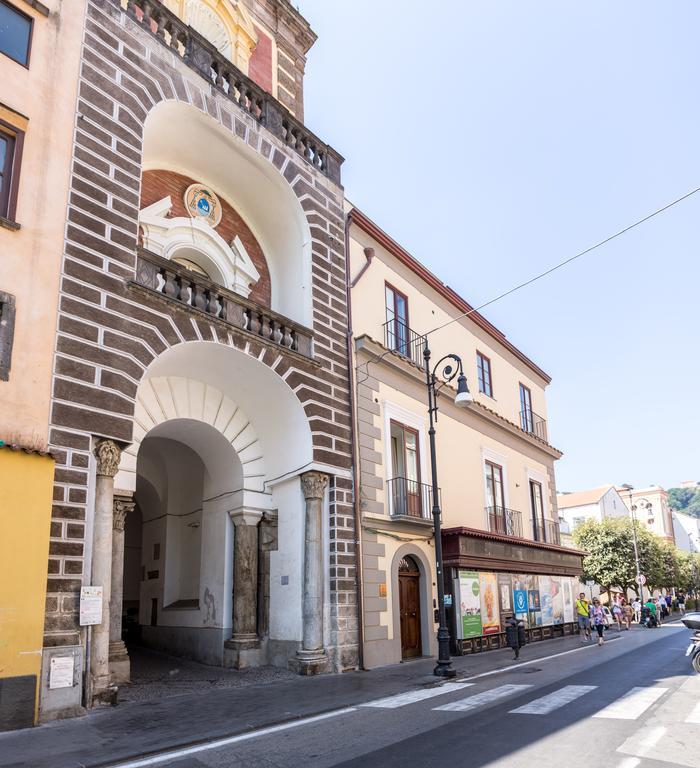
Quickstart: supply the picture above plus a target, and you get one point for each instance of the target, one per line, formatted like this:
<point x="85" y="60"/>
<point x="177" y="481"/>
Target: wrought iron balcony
<point x="199" y="54"/>
<point x="505" y="521"/>
<point x="533" y="424"/>
<point x="193" y="290"/>
<point x="400" y="338"/>
<point x="410" y="498"/>
<point x="546" y="531"/>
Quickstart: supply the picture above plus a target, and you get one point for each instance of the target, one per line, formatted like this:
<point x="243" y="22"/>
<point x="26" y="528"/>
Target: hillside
<point x="685" y="500"/>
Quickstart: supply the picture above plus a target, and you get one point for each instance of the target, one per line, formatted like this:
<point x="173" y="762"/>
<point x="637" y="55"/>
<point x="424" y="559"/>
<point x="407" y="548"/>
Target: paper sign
<point x="90" y="606"/>
<point x="61" y="672"/>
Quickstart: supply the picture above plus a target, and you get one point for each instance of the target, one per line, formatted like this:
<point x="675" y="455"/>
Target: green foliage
<point x="610" y="561"/>
<point x="685" y="500"/>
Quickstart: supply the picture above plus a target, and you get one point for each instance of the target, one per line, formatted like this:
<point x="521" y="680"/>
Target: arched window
<point x="408" y="565"/>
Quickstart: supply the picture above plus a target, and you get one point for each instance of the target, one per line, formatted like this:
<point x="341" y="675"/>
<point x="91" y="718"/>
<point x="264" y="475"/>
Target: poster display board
<point x="490" y="622"/>
<point x="534" y="606"/>
<point x="505" y="597"/>
<point x="470" y="604"/>
<point x="568" y="596"/>
<point x="520" y="599"/>
<point x="545" y="589"/>
<point x="557" y="595"/>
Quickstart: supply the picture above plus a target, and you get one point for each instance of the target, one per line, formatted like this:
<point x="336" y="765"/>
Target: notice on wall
<point x="90" y="606"/>
<point x="470" y="604"/>
<point x="488" y="587"/>
<point x="61" y="672"/>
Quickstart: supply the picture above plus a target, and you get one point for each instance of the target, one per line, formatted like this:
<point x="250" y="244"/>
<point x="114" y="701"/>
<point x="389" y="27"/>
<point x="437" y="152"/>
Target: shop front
<point x="490" y="577"/>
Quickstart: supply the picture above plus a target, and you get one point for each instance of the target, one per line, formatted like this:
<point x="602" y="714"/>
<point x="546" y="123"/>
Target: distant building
<point x="651" y="508"/>
<point x="594" y="504"/>
<point x="686" y="531"/>
<point x="689" y="484"/>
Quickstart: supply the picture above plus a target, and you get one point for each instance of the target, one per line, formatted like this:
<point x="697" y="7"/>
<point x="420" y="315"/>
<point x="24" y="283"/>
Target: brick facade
<point x="109" y="332"/>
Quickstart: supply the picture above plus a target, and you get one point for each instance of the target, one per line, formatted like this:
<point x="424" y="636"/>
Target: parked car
<point x="609" y="621"/>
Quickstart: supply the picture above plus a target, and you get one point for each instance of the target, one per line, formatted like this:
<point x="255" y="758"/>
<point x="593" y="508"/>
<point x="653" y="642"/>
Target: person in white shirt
<point x="637" y="608"/>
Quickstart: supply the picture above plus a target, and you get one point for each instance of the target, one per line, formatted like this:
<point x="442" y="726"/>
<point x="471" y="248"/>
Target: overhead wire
<point x="539" y="276"/>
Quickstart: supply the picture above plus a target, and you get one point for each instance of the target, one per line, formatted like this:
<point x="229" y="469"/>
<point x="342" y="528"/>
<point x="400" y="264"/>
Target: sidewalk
<point x="134" y="728"/>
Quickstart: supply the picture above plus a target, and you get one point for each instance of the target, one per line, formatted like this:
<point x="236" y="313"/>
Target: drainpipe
<point x="355" y="443"/>
<point x="369" y="255"/>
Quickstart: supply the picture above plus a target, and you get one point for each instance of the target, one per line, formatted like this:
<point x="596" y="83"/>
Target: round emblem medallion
<point x="202" y="203"/>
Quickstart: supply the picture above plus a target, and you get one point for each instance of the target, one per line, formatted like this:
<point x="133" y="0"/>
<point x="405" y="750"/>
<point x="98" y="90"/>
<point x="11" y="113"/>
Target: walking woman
<point x="627" y="613"/>
<point x="598" y="619"/>
<point x="617" y="615"/>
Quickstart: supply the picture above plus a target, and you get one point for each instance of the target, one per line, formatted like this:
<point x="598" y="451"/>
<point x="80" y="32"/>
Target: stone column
<point x="108" y="454"/>
<point x="244" y="644"/>
<point x="312" y="659"/>
<point x="119" y="665"/>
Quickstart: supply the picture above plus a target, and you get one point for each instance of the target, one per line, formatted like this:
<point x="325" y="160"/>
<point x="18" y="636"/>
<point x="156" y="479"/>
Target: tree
<point x="610" y="561"/>
<point x="686" y="500"/>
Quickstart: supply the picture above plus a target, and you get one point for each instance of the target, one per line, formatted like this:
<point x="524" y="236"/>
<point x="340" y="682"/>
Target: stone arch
<point x="163" y="398"/>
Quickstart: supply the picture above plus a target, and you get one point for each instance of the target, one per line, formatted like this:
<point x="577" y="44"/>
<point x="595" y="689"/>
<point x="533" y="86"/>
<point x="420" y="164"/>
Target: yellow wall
<point x="26" y="482"/>
<point x="45" y="94"/>
<point x="427" y="310"/>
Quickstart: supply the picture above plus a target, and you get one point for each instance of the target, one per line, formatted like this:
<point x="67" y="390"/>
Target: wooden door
<point x="409" y="608"/>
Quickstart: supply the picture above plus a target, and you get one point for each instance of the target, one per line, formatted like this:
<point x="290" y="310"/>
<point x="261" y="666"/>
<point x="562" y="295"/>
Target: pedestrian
<point x="598" y="619"/>
<point x="681" y="603"/>
<point x="627" y="613"/>
<point x="617" y="615"/>
<point x="637" y="608"/>
<point x="669" y="603"/>
<point x="660" y="608"/>
<point x="583" y="611"/>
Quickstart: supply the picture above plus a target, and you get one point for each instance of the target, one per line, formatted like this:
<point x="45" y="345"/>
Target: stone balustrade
<point x="193" y="290"/>
<point x="202" y="56"/>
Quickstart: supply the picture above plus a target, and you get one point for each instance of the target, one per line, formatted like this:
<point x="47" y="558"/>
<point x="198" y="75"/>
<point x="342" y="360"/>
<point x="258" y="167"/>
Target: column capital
<point x="245" y="516"/>
<point x="122" y="507"/>
<point x="108" y="454"/>
<point x="313" y="484"/>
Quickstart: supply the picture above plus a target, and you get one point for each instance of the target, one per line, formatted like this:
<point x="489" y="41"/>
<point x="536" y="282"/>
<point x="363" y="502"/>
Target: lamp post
<point x="449" y="367"/>
<point x="633" y="508"/>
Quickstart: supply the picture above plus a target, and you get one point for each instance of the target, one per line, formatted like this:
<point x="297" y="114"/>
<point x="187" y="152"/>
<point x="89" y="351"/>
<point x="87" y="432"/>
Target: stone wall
<point x="109" y="332"/>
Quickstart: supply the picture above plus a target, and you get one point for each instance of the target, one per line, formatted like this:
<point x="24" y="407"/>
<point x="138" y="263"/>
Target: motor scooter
<point x="692" y="621"/>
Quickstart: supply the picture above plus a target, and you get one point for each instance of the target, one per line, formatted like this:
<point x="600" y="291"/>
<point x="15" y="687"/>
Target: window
<point x="537" y="509"/>
<point x="405" y="466"/>
<point x="578" y="521"/>
<point x="396" y="320"/>
<point x="10" y="155"/>
<point x="526" y="420"/>
<point x="15" y="33"/>
<point x="495" y="496"/>
<point x="483" y="368"/>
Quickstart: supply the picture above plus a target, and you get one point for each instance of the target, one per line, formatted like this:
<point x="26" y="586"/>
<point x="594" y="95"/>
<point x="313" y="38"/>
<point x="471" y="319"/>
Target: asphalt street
<point x="634" y="703"/>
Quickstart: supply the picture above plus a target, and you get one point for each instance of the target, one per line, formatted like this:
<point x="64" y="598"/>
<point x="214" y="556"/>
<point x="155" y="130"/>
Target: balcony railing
<point x="199" y="54"/>
<point x="410" y="498"/>
<point x="546" y="531"/>
<point x="533" y="424"/>
<point x="505" y="521"/>
<point x="400" y="338"/>
<point x="193" y="290"/>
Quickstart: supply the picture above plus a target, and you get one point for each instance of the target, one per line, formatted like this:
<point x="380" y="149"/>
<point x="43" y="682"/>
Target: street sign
<point x="90" y="606"/>
<point x="590" y="583"/>
<point x="641" y="579"/>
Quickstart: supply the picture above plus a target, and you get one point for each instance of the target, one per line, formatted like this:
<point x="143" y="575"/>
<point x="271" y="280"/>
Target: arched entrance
<point x="409" y="607"/>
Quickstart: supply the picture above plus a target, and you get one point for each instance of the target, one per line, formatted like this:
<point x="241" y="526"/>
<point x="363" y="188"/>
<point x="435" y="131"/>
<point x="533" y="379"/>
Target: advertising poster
<point x="557" y="600"/>
<point x="520" y="598"/>
<point x="505" y="597"/>
<point x="568" y="592"/>
<point x="470" y="604"/>
<point x="534" y="606"/>
<point x="545" y="585"/>
<point x="490" y="622"/>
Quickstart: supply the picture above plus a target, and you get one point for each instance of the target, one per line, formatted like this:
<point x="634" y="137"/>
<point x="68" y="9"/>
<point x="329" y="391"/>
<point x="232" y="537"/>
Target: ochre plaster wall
<point x="45" y="94"/>
<point x="26" y="482"/>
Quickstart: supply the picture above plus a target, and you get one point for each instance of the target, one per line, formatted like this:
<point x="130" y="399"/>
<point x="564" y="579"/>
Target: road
<point x="636" y="708"/>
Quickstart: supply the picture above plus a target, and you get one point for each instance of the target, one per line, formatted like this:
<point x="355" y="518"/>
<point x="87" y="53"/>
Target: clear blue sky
<point x="499" y="138"/>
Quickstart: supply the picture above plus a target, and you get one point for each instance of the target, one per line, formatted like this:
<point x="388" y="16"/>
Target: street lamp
<point x="633" y="508"/>
<point x="449" y="367"/>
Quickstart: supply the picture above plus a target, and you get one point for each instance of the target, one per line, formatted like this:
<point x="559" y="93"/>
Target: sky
<point x="494" y="139"/>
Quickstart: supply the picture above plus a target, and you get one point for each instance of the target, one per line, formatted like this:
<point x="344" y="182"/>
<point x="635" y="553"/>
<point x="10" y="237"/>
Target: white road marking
<point x="479" y="699"/>
<point x="554" y="700"/>
<point x="694" y="716"/>
<point x="402" y="699"/>
<point x="630" y="706"/>
<point x="649" y="740"/>
<point x="542" y="658"/>
<point x="628" y="762"/>
<point x="175" y="754"/>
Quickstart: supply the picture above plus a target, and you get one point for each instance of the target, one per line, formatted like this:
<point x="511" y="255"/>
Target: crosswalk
<point x="631" y="705"/>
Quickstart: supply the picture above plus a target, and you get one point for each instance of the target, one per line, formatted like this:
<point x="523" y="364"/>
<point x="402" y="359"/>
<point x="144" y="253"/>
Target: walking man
<point x="583" y="611"/>
<point x="681" y="603"/>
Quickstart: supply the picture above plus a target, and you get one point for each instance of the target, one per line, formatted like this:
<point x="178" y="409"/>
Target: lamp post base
<point x="444" y="669"/>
